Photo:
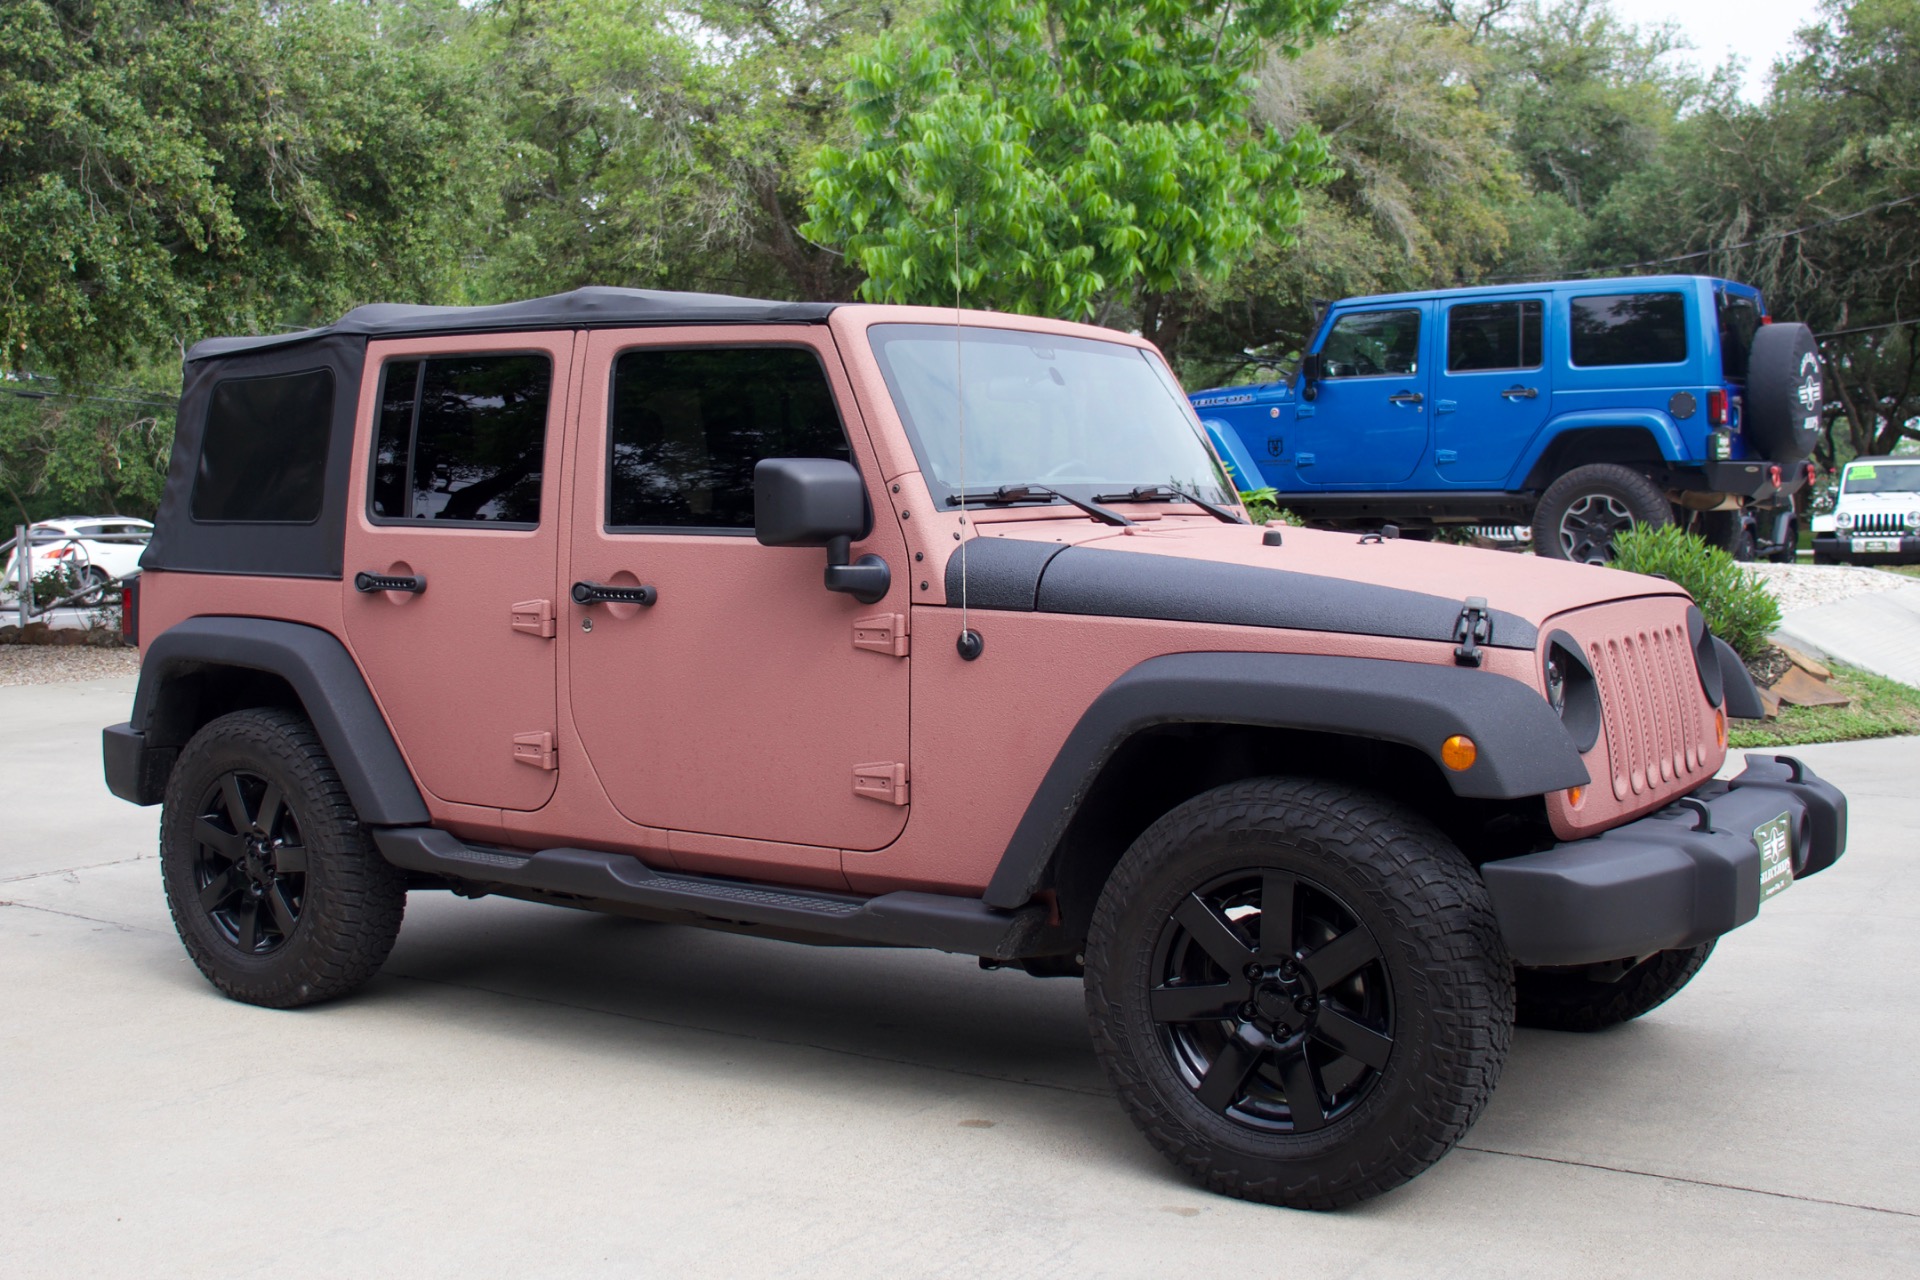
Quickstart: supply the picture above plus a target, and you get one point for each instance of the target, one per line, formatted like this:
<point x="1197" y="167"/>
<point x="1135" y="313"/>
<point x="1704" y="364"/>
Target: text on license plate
<point x="1871" y="545"/>
<point x="1775" y="842"/>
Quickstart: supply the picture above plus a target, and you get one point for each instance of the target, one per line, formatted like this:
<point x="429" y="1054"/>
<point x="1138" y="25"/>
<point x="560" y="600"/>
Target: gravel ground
<point x="60" y="664"/>
<point x="1801" y="586"/>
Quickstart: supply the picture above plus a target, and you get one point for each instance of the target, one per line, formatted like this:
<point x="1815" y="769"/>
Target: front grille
<point x="1880" y="522"/>
<point x="1656" y="727"/>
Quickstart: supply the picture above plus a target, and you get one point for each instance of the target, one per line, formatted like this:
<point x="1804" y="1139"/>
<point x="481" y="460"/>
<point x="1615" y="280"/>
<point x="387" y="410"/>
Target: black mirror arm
<point x="866" y="579"/>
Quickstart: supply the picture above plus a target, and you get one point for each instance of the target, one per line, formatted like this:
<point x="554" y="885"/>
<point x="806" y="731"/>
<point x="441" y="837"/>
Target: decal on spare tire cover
<point x="1809" y="392"/>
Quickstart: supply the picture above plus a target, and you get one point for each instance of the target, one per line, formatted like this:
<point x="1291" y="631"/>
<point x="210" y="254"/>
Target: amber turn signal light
<point x="1720" y="725"/>
<point x="1574" y="796"/>
<point x="1458" y="752"/>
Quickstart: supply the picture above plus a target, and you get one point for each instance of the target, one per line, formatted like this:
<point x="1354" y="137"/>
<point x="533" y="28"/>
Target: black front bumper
<point x="1675" y="878"/>
<point x="1841" y="548"/>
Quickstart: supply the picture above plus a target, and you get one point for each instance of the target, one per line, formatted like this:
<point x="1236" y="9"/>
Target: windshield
<point x="1881" y="477"/>
<point x="1042" y="409"/>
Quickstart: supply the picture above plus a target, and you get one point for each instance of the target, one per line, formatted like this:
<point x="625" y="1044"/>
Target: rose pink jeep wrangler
<point x="529" y="600"/>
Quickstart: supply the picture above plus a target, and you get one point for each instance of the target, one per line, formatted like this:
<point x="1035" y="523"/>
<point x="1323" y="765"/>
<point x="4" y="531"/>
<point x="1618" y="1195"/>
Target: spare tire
<point x="1784" y="392"/>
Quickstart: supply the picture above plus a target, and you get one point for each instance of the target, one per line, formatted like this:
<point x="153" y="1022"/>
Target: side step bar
<point x="622" y="884"/>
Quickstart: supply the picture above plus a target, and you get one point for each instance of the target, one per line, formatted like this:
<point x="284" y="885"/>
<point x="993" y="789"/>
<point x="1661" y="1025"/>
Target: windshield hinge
<point x="1474" y="628"/>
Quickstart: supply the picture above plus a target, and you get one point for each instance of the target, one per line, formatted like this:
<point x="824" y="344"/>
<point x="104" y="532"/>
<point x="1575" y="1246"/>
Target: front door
<point x="746" y="700"/>
<point x="1491" y="391"/>
<point x="1367" y="424"/>
<point x="455" y="512"/>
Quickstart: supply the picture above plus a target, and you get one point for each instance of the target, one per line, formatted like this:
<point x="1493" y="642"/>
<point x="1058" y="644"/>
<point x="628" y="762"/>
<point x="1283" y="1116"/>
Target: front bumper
<point x="1675" y="878"/>
<point x="1840" y="547"/>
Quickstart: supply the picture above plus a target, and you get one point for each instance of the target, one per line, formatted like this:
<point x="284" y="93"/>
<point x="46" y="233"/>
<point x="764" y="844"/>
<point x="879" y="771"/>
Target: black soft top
<point x="590" y="308"/>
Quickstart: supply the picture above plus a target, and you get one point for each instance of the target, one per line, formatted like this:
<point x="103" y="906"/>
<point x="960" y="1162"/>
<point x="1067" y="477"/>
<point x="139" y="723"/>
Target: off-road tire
<point x="350" y="899"/>
<point x="1560" y="1001"/>
<point x="1613" y="495"/>
<point x="1783" y="392"/>
<point x="1726" y="530"/>
<point x="1446" y="975"/>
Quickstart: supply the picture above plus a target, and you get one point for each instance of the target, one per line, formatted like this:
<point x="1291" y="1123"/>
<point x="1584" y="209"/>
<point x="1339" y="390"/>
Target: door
<point x="746" y="700"/>
<point x="1491" y="391"/>
<point x="1366" y="426"/>
<point x="455" y="506"/>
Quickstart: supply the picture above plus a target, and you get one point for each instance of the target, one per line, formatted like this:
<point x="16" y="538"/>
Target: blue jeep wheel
<point x="1580" y="512"/>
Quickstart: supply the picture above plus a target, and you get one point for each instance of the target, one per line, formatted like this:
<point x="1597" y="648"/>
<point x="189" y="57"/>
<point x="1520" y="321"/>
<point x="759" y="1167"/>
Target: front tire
<point x="1561" y="1001"/>
<point x="1580" y="512"/>
<point x="1299" y="991"/>
<point x="275" y="889"/>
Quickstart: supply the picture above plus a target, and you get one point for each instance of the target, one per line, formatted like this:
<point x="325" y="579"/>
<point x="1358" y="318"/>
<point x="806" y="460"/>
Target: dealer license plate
<point x="1871" y="545"/>
<point x="1775" y="841"/>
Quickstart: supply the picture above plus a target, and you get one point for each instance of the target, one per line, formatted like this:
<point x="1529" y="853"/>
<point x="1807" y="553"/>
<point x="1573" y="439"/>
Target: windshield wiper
<point x="1148" y="492"/>
<point x="1030" y="492"/>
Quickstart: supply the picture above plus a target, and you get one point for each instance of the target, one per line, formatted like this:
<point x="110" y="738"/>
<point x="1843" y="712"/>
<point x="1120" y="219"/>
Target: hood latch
<point x="1474" y="628"/>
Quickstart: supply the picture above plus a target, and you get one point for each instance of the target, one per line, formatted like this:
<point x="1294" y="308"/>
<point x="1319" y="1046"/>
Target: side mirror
<point x="819" y="502"/>
<point x="1313" y="367"/>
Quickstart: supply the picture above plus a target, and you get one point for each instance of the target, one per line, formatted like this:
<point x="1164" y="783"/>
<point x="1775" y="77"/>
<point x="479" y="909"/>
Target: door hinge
<point x="886" y="783"/>
<point x="535" y="617"/>
<point x="882" y="633"/>
<point x="535" y="749"/>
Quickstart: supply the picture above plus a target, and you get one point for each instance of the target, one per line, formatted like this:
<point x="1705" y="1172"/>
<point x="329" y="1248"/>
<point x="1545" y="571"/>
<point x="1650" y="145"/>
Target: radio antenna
<point x="970" y="643"/>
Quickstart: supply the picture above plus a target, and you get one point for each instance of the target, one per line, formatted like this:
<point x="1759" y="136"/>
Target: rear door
<point x="1367" y="424"/>
<point x="456" y="491"/>
<point x="1491" y="389"/>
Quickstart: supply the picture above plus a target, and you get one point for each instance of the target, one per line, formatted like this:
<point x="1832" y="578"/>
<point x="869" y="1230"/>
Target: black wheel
<point x="1726" y="530"/>
<point x="277" y="893"/>
<point x="93" y="585"/>
<point x="1788" y="551"/>
<point x="1560" y="1001"/>
<point x="1582" y="510"/>
<point x="1299" y="991"/>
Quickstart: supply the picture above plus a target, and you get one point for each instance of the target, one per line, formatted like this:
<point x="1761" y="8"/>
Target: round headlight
<point x="1843" y="520"/>
<point x="1572" y="691"/>
<point x="1913" y="521"/>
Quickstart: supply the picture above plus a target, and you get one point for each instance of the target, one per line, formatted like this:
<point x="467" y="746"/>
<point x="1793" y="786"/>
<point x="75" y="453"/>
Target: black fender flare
<point x="322" y="674"/>
<point x="1523" y="748"/>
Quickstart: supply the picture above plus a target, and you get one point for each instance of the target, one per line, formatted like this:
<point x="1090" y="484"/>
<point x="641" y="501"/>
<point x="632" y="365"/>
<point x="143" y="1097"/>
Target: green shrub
<point x="1263" y="507"/>
<point x="1738" y="607"/>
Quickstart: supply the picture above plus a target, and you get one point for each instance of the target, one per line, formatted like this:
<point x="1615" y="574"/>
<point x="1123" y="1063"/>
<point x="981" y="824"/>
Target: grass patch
<point x="1906" y="570"/>
<point x="1881" y="708"/>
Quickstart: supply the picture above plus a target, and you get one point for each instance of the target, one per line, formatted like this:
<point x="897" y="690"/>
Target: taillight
<point x="130" y="610"/>
<point x="1717" y="408"/>
<point x="59" y="553"/>
<point x="1773" y="474"/>
<point x="1813" y="473"/>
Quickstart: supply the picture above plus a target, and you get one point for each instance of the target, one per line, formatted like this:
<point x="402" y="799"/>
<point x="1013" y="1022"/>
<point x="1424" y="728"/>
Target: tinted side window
<point x="1493" y="335"/>
<point x="1739" y="321"/>
<point x="1629" y="328"/>
<point x="462" y="438"/>
<point x="689" y="425"/>
<point x="263" y="455"/>
<point x="1367" y="344"/>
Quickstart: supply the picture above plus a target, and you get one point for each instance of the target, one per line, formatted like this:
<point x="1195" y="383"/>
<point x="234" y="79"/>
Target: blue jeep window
<point x="1372" y="344"/>
<point x="1493" y="335"/>
<point x="1739" y="321"/>
<point x="1629" y="328"/>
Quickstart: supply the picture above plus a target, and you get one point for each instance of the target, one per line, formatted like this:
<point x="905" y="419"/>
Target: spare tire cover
<point x="1784" y="391"/>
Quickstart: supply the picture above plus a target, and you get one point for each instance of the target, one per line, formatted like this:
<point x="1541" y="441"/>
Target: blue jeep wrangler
<point x="1576" y="407"/>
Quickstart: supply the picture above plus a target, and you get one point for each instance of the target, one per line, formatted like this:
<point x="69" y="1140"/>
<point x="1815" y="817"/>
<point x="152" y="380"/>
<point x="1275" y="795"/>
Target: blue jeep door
<point x="1491" y="389"/>
<point x="1367" y="424"/>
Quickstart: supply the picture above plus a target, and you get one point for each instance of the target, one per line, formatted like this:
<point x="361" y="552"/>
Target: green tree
<point x="1071" y="157"/>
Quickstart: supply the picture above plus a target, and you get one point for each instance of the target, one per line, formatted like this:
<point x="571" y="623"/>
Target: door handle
<point x="1521" y="393"/>
<point x="603" y="593"/>
<point x="368" y="583"/>
<point x="1407" y="397"/>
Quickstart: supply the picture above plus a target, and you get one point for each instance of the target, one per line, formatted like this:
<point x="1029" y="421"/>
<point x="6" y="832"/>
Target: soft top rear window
<point x="263" y="455"/>
<point x="1629" y="328"/>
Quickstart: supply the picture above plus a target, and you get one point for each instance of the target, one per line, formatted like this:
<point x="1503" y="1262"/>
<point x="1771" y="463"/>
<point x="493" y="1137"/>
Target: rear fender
<point x="1563" y="434"/>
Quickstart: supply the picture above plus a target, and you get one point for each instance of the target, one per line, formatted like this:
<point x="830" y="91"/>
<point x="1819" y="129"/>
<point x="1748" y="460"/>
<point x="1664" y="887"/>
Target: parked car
<point x="854" y="624"/>
<point x="94" y="551"/>
<point x="1875" y="517"/>
<point x="1577" y="407"/>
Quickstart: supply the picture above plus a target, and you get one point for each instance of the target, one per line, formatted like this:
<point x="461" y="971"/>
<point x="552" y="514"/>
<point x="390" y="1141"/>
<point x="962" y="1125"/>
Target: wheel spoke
<point x="217" y="890"/>
<point x="1214" y="934"/>
<point x="1200" y="1003"/>
<point x="225" y="843"/>
<point x="246" y="922"/>
<point x="1303" y="1092"/>
<point x="1340" y="958"/>
<point x="1276" y="916"/>
<point x="283" y="917"/>
<point x="236" y="803"/>
<point x="271" y="806"/>
<point x="290" y="859"/>
<point x="1220" y="1087"/>
<point x="1351" y="1038"/>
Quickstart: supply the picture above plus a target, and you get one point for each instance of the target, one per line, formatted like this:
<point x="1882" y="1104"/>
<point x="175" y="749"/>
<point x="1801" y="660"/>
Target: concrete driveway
<point x="528" y="1091"/>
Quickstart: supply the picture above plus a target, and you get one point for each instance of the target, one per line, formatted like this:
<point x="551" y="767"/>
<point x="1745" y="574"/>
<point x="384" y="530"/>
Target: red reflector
<point x="130" y="610"/>
<point x="1812" y="473"/>
<point x="1766" y="319"/>
<point x="1717" y="408"/>
<point x="1773" y="473"/>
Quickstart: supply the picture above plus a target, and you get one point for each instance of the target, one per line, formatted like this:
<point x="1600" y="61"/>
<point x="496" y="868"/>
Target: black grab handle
<point x="602" y="593"/>
<point x="368" y="583"/>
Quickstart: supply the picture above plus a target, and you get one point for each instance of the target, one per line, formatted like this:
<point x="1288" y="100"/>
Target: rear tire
<point x="1558" y="1001"/>
<point x="278" y="895"/>
<point x="1320" y="1059"/>
<point x="1580" y="512"/>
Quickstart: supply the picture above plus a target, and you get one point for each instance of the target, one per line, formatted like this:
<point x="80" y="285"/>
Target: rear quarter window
<point x="263" y="455"/>
<point x="1629" y="328"/>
